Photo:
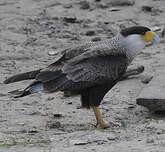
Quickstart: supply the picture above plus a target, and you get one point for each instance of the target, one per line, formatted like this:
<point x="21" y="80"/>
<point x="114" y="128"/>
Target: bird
<point x="91" y="69"/>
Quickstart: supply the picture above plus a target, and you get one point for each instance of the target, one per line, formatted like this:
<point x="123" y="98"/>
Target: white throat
<point x="133" y="44"/>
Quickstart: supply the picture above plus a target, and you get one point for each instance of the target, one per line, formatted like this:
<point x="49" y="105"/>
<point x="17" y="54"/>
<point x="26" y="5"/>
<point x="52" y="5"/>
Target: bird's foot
<point x="102" y="125"/>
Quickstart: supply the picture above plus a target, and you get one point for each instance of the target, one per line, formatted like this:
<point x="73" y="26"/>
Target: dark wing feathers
<point x="55" y="84"/>
<point x="91" y="72"/>
<point x="77" y="50"/>
<point x="45" y="76"/>
<point x="97" y="69"/>
<point x="95" y="65"/>
<point x="22" y="76"/>
<point x="93" y="52"/>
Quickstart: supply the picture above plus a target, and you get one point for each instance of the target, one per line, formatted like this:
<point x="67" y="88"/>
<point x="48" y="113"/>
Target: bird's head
<point x="139" y="36"/>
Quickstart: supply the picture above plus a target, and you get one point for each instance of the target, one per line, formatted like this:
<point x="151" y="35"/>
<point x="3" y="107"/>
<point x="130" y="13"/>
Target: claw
<point x="100" y="122"/>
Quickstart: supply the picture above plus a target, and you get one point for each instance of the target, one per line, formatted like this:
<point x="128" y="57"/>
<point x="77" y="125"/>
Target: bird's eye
<point x="143" y="33"/>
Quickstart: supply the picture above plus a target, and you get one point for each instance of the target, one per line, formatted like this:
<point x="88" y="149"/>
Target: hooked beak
<point x="150" y="36"/>
<point x="156" y="39"/>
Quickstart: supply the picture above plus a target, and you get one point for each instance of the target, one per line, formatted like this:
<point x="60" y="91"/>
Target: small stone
<point x="52" y="53"/>
<point x="111" y="138"/>
<point x="146" y="79"/>
<point x="67" y="6"/>
<point x="70" y="102"/>
<point x="122" y="2"/>
<point x="114" y="9"/>
<point x="131" y="106"/>
<point x="23" y="131"/>
<point x="95" y="39"/>
<point x="90" y="33"/>
<point x="70" y="19"/>
<point x="103" y="5"/>
<point x="100" y="142"/>
<point x="33" y="131"/>
<point x="84" y="5"/>
<point x="57" y="115"/>
<point x="66" y="36"/>
<point x="156" y="11"/>
<point x="50" y="98"/>
<point x="78" y="142"/>
<point x="34" y="113"/>
<point x="53" y="125"/>
<point x="150" y="140"/>
<point x="147" y="8"/>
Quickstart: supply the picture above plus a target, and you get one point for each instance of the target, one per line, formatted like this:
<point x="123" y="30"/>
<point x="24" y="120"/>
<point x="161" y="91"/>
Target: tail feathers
<point x="33" y="88"/>
<point x="22" y="76"/>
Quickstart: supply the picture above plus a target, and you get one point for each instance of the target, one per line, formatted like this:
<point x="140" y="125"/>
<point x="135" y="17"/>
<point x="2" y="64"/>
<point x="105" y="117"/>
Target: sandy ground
<point x="31" y="30"/>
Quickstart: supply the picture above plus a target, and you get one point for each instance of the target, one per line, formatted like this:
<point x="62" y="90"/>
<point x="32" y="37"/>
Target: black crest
<point x="134" y="30"/>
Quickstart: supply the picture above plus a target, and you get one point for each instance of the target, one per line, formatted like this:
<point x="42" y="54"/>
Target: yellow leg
<point x="100" y="122"/>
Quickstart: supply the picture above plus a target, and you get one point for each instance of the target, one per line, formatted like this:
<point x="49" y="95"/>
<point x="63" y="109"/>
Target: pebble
<point x="95" y="39"/>
<point x="103" y="5"/>
<point x="67" y="6"/>
<point x="78" y="142"/>
<point x="69" y="102"/>
<point x="121" y="2"/>
<point x="146" y="79"/>
<point x="147" y="8"/>
<point x="50" y="98"/>
<point x="52" y="53"/>
<point x="66" y="36"/>
<point x="114" y="9"/>
<point x="111" y="138"/>
<point x="156" y="11"/>
<point x="57" y="115"/>
<point x="70" y="19"/>
<point x="90" y="33"/>
<point x="34" y="113"/>
<point x="53" y="125"/>
<point x="150" y="140"/>
<point x="100" y="142"/>
<point x="84" y="5"/>
<point x="33" y="131"/>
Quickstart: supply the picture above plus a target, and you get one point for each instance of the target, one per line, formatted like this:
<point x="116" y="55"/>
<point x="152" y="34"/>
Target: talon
<point x="103" y="125"/>
<point x="100" y="123"/>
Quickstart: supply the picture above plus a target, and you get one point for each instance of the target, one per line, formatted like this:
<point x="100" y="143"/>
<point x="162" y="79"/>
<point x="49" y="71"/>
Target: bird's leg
<point x="100" y="122"/>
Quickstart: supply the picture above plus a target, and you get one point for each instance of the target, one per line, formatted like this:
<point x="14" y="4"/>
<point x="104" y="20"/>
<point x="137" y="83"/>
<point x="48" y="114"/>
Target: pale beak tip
<point x="156" y="39"/>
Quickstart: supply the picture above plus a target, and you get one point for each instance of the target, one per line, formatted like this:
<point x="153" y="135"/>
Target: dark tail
<point x="22" y="76"/>
<point x="32" y="88"/>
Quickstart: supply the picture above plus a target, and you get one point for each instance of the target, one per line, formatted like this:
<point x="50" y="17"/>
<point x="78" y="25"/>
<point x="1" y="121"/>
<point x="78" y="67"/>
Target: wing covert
<point x="100" y="69"/>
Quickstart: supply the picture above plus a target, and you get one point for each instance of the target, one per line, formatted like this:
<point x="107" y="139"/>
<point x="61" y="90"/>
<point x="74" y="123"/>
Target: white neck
<point x="135" y="42"/>
<point x="132" y="43"/>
